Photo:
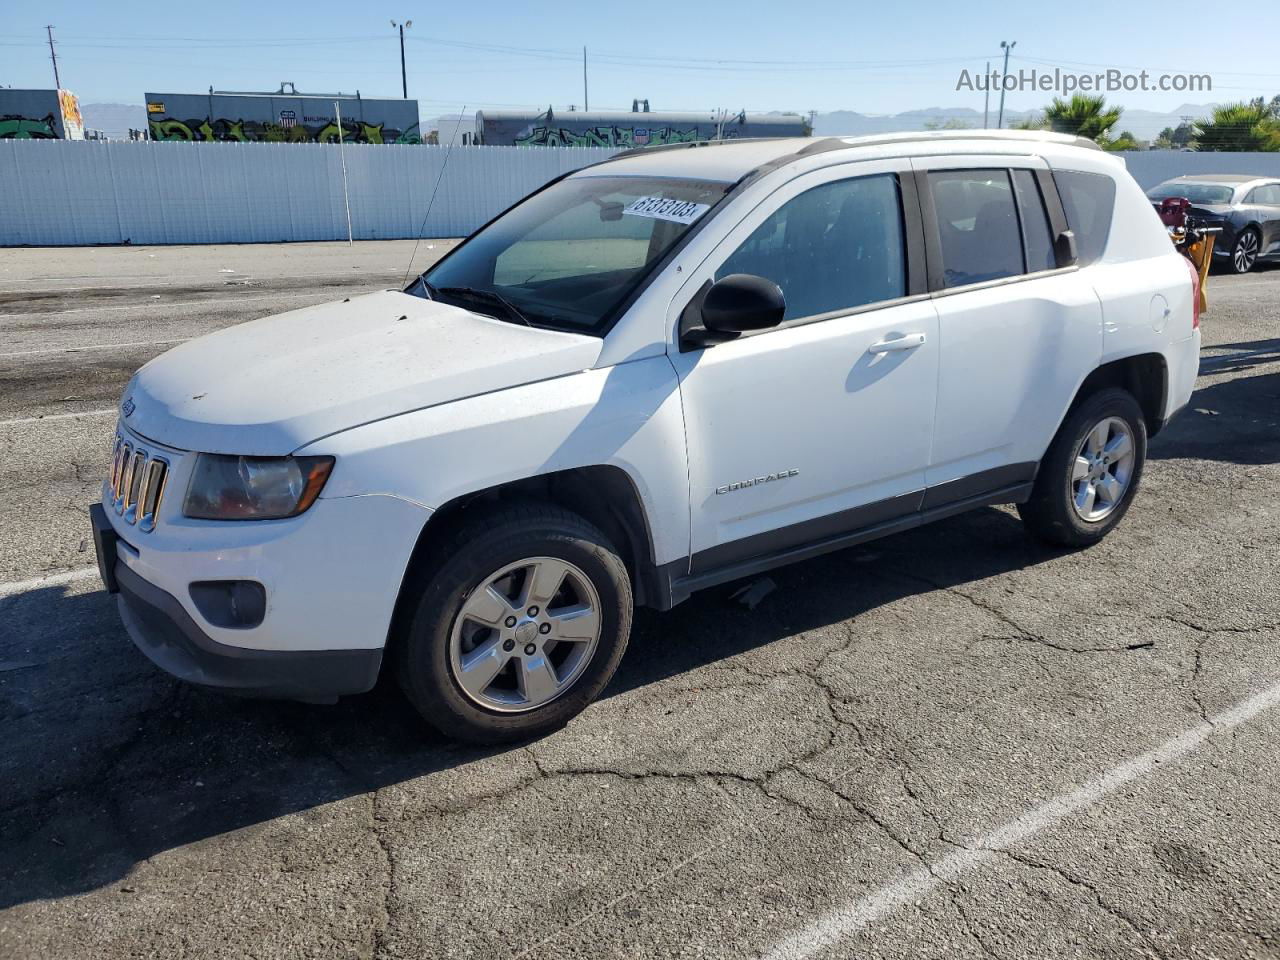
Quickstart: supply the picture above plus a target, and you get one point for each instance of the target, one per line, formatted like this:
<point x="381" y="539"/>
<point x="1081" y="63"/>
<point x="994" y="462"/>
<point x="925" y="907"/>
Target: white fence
<point x="1153" y="167"/>
<point x="55" y="192"/>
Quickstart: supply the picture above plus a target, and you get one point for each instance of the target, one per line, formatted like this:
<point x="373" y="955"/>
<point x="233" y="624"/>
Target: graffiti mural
<point x="72" y="122"/>
<point x="289" y="130"/>
<point x="29" y="128"/>
<point x="606" y="135"/>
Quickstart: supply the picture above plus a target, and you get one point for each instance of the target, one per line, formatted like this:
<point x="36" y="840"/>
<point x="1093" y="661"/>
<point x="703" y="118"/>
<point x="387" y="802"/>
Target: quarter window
<point x="1089" y="200"/>
<point x="835" y="247"/>
<point x="977" y="225"/>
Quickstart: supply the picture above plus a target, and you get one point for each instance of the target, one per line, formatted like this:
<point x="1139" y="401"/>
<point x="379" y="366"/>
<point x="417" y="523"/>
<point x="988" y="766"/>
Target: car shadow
<point x="106" y="761"/>
<point x="1234" y="420"/>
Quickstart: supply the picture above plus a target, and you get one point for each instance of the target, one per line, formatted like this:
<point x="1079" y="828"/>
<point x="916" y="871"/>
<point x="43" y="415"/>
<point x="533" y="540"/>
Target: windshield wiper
<point x="475" y="294"/>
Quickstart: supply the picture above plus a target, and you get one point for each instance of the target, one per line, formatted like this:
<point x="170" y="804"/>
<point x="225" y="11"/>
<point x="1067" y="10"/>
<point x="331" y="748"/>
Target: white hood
<point x="270" y="386"/>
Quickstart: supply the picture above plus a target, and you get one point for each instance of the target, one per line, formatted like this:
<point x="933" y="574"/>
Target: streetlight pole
<point x="53" y="55"/>
<point x="1007" y="48"/>
<point x="404" y="77"/>
<point x="585" y="104"/>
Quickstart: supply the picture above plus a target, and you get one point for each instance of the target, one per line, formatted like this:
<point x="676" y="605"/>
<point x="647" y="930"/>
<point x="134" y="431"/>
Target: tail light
<point x="1195" y="294"/>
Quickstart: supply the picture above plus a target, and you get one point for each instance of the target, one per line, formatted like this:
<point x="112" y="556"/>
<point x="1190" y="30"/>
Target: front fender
<point x="628" y="416"/>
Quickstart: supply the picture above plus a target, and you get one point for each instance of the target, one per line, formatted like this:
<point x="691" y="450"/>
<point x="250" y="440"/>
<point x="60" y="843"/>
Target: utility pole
<point x="404" y="77"/>
<point x="53" y="55"/>
<point x="1007" y="48"/>
<point x="585" y="104"/>
<point x="986" y="100"/>
<point x="342" y="156"/>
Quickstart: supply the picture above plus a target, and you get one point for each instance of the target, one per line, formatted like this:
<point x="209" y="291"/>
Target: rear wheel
<point x="1090" y="473"/>
<point x="519" y="629"/>
<point x="1245" y="253"/>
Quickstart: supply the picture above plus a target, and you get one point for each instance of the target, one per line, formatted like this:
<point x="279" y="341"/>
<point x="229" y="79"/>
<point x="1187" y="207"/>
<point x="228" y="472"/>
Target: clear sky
<point x="681" y="54"/>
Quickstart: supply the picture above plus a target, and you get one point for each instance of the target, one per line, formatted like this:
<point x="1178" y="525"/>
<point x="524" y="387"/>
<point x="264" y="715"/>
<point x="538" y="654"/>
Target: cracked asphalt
<point x="951" y="743"/>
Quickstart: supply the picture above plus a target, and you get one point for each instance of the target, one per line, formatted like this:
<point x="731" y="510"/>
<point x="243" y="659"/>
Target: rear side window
<point x="1269" y="195"/>
<point x="1089" y="200"/>
<point x="1036" y="233"/>
<point x="835" y="247"/>
<point x="978" y="225"/>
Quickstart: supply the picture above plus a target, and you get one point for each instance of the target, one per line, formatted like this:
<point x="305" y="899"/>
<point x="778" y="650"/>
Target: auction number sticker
<point x="660" y="208"/>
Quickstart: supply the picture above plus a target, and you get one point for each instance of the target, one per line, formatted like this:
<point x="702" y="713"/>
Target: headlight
<point x="254" y="488"/>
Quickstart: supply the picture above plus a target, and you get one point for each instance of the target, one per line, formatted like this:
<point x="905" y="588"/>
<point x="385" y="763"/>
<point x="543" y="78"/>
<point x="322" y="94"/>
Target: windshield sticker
<point x="660" y="208"/>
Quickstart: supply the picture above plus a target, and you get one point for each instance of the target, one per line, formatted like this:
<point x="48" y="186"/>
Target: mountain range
<point x="1143" y="124"/>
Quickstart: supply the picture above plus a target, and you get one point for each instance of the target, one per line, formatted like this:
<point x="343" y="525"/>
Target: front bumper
<point x="167" y="633"/>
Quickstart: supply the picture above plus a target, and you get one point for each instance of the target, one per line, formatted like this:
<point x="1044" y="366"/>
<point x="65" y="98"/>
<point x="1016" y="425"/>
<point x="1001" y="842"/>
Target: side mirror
<point x="742" y="302"/>
<point x="1065" y="253"/>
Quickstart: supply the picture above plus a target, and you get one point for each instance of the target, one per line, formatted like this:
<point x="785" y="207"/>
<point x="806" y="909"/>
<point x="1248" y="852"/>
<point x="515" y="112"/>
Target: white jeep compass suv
<point x="662" y="372"/>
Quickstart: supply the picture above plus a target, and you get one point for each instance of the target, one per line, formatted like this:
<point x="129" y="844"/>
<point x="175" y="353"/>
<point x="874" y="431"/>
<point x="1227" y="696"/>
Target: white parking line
<point x="53" y="580"/>
<point x="838" y="924"/>
<point x="94" y="346"/>
<point x="58" y="416"/>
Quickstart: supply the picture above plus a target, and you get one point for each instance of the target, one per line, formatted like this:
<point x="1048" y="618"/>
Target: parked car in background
<point x="660" y="373"/>
<point x="1247" y="208"/>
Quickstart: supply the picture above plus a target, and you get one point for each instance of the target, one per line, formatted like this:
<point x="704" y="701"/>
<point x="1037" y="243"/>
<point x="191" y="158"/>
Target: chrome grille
<point x="137" y="483"/>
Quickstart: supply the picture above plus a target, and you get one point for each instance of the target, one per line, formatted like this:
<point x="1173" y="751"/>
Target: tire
<point x="481" y="610"/>
<point x="1061" y="510"/>
<point x="1244" y="255"/>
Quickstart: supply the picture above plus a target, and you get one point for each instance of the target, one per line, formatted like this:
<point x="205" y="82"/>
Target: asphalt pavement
<point x="950" y="743"/>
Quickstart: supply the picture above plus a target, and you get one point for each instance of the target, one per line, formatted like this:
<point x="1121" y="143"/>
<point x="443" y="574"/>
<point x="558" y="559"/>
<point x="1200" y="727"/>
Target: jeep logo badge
<point x="127" y="407"/>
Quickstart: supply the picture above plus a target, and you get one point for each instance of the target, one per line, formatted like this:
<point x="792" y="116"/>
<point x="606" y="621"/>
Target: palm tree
<point x="1083" y="116"/>
<point x="1239" y="127"/>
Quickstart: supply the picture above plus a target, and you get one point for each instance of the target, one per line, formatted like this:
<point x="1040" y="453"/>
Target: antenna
<point x="431" y="202"/>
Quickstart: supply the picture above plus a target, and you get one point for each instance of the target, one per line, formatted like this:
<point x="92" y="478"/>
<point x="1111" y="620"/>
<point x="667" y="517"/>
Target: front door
<point x="823" y="424"/>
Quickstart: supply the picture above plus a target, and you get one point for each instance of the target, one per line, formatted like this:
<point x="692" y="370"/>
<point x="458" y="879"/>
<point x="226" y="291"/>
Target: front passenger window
<point x="835" y="247"/>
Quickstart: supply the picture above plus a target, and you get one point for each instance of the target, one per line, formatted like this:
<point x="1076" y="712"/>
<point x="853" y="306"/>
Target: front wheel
<point x="519" y="629"/>
<point x="1090" y="473"/>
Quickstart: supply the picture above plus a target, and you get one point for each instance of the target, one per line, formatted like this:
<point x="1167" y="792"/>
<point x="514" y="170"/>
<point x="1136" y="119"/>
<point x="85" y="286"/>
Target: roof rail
<point x="687" y="144"/>
<point x="927" y="135"/>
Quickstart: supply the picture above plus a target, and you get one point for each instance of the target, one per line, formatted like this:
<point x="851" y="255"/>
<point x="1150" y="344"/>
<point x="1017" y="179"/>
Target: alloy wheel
<point x="525" y="635"/>
<point x="1103" y="469"/>
<point x="1246" y="252"/>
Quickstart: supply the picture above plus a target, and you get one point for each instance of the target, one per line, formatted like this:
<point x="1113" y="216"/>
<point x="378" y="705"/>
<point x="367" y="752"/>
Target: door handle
<point x="906" y="342"/>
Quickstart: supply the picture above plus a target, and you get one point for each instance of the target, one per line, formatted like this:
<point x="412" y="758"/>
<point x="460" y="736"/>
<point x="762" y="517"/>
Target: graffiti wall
<point x="622" y="130"/>
<point x="256" y="131"/>
<point x="40" y="115"/>
<point x="72" y="122"/>
<point x="283" y="118"/>
<point x="610" y="135"/>
<point x="28" y="128"/>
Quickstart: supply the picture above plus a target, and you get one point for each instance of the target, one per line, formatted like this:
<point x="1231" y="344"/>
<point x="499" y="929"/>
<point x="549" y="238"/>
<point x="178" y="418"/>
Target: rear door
<point x="1018" y="334"/>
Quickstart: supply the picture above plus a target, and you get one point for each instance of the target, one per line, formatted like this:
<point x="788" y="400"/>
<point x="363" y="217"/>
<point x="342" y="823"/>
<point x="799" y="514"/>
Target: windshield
<point x="568" y="257"/>
<point x="1195" y="192"/>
